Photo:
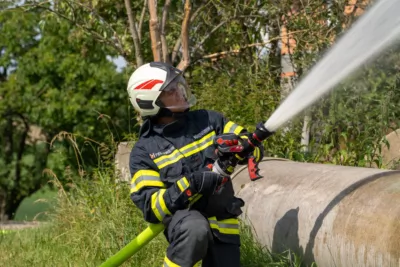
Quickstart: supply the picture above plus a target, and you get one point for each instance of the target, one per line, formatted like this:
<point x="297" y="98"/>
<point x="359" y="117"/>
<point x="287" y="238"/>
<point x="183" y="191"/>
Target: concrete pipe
<point x="331" y="215"/>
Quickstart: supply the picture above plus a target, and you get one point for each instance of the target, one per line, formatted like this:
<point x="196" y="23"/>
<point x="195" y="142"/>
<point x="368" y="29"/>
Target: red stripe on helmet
<point x="147" y="85"/>
<point x="143" y="84"/>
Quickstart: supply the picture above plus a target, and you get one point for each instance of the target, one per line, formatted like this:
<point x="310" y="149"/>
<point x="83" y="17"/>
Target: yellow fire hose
<point x="134" y="246"/>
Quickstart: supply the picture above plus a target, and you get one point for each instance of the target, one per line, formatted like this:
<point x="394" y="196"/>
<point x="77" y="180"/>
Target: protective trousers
<point x="191" y="240"/>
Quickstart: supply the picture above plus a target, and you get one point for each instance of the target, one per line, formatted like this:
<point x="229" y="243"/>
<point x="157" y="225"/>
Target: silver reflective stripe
<point x="176" y="156"/>
<point x="182" y="184"/>
<point x="197" y="146"/>
<point x="158" y="206"/>
<point x="143" y="178"/>
<point x="225" y="225"/>
<point x="165" y="264"/>
<point x="233" y="128"/>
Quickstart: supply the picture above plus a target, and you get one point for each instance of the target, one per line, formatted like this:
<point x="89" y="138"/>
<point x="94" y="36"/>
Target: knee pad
<point x="197" y="229"/>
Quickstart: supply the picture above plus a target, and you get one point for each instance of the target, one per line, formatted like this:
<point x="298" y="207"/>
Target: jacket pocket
<point x="171" y="172"/>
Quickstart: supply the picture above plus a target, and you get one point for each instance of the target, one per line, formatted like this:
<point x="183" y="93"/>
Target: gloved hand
<point x="249" y="150"/>
<point x="207" y="183"/>
<point x="226" y="164"/>
<point x="227" y="145"/>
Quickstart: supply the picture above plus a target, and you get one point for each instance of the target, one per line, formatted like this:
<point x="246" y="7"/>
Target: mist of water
<point x="374" y="31"/>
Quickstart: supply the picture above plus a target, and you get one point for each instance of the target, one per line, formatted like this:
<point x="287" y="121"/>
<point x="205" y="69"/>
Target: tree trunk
<point x="8" y="147"/>
<point x="3" y="204"/>
<point x="164" y="44"/>
<point x="305" y="133"/>
<point x="12" y="205"/>
<point x="185" y="62"/>
<point x="9" y="142"/>
<point x="15" y="147"/>
<point x="155" y="31"/>
<point x="134" y="33"/>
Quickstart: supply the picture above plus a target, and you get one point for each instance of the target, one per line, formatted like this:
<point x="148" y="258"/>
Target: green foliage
<point x="355" y="118"/>
<point x="57" y="80"/>
<point x="70" y="82"/>
<point x="243" y="95"/>
<point x="93" y="220"/>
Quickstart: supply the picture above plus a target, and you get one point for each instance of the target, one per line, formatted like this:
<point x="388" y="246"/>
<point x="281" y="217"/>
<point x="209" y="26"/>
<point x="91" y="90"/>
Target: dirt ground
<point x="13" y="225"/>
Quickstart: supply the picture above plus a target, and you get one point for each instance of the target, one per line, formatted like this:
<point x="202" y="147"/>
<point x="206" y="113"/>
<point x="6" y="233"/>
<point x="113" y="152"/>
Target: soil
<point x="14" y="225"/>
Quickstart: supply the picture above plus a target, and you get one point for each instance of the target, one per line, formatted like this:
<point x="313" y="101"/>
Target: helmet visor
<point x="177" y="96"/>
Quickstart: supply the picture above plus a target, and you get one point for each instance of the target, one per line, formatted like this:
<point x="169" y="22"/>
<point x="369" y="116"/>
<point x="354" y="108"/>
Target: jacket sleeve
<point x="150" y="194"/>
<point x="223" y="125"/>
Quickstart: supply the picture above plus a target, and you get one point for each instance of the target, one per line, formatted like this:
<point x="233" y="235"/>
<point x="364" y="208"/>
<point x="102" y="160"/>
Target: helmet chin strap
<point x="164" y="112"/>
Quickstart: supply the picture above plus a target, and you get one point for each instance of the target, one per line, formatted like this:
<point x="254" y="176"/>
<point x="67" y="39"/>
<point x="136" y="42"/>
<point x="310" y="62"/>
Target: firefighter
<point x="171" y="166"/>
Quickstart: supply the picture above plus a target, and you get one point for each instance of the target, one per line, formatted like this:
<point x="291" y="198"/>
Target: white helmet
<point x="149" y="81"/>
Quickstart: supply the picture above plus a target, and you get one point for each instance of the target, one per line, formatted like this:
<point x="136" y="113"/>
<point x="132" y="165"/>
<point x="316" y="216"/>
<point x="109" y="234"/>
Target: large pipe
<point x="328" y="214"/>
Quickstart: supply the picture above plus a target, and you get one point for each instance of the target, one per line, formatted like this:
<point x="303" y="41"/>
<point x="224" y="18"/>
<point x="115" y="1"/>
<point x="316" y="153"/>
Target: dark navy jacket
<point x="163" y="158"/>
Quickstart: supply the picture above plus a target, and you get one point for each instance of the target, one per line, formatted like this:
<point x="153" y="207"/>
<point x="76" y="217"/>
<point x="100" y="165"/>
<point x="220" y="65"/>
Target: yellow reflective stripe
<point x="188" y="146"/>
<point x="160" y="199"/>
<point x="154" y="206"/>
<point x="243" y="137"/>
<point x="202" y="147"/>
<point x="239" y="157"/>
<point x="170" y="161"/>
<point x="228" y="126"/>
<point x="224" y="230"/>
<point x="194" y="198"/>
<point x="228" y="226"/>
<point x="144" y="172"/>
<point x="231" y="127"/>
<point x="230" y="221"/>
<point x="169" y="263"/>
<point x="183" y="184"/>
<point x="147" y="183"/>
<point x="144" y="178"/>
<point x="158" y="205"/>
<point x="185" y="151"/>
<point x="257" y="154"/>
<point x="230" y="169"/>
<point x="198" y="264"/>
<point x="180" y="186"/>
<point x="173" y="153"/>
<point x="238" y="129"/>
<point x="226" y="221"/>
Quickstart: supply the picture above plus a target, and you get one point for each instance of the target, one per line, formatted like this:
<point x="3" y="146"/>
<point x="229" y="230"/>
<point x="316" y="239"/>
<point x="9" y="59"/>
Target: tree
<point x="173" y="27"/>
<point x="61" y="81"/>
<point x="17" y="37"/>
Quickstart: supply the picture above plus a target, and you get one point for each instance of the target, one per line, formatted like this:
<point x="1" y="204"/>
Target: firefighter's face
<point x="175" y="98"/>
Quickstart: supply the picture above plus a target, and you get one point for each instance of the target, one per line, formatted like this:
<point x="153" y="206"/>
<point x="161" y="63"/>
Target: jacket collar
<point x="166" y="130"/>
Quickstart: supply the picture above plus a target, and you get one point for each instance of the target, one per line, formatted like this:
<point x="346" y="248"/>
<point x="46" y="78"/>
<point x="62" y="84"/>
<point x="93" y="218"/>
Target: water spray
<point x="374" y="31"/>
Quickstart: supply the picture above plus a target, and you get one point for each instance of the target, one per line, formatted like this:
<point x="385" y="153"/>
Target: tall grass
<point x="94" y="219"/>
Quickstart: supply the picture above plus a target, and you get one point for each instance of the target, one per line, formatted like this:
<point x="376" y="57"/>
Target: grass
<point x="95" y="220"/>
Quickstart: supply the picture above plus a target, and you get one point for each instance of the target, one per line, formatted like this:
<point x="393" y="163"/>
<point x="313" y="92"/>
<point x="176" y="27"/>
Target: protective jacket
<point x="163" y="158"/>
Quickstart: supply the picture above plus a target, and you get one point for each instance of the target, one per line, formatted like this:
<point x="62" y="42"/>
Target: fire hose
<point x="260" y="134"/>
